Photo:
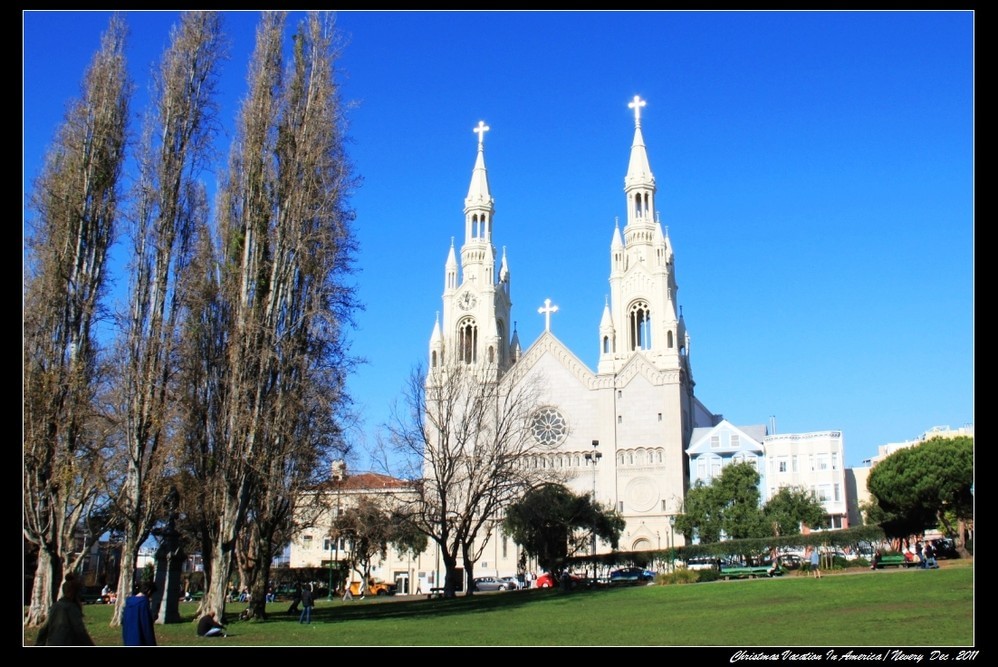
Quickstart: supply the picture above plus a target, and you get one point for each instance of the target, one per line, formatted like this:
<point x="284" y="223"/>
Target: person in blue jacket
<point x="136" y="617"/>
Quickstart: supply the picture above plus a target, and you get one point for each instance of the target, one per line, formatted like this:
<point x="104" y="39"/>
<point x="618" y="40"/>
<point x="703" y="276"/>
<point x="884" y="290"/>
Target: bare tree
<point x="466" y="436"/>
<point x="170" y="206"/>
<point x="75" y="201"/>
<point x="286" y="247"/>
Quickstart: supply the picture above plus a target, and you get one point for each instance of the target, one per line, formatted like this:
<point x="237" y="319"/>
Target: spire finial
<point x="636" y="104"/>
<point x="616" y="221"/>
<point x="480" y="131"/>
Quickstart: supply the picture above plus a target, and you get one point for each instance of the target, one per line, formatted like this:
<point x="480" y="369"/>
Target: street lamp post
<point x="672" y="536"/>
<point x="594" y="457"/>
<point x="329" y="595"/>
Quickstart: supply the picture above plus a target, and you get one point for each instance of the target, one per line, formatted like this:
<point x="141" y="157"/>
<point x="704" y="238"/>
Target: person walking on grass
<point x="816" y="563"/>
<point x="65" y="626"/>
<point x="306" y="604"/>
<point x="136" y="618"/>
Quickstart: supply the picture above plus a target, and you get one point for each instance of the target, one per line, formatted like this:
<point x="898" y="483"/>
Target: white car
<point x="513" y="583"/>
<point x="701" y="564"/>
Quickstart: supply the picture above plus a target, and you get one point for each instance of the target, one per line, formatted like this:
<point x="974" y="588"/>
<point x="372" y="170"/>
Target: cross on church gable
<point x="546" y="311"/>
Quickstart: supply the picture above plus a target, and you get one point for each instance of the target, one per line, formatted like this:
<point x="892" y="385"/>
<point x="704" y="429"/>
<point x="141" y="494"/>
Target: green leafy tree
<point x="917" y="487"/>
<point x="550" y="523"/>
<point x="791" y="507"/>
<point x="728" y="507"/>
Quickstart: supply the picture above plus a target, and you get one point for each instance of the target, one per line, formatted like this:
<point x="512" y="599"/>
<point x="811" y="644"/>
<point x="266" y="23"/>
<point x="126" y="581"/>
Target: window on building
<point x="640" y="326"/>
<point x="835" y="460"/>
<point x="468" y="340"/>
<point x="715" y="441"/>
<point x="701" y="469"/>
<point x="781" y="464"/>
<point x="822" y="461"/>
<point x="794" y="460"/>
<point x="835" y="492"/>
<point x="735" y="441"/>
<point x="328" y="544"/>
<point x="668" y="339"/>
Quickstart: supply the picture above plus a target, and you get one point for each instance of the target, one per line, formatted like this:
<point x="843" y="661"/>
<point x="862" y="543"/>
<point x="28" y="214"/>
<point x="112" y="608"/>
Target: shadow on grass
<point x="411" y="606"/>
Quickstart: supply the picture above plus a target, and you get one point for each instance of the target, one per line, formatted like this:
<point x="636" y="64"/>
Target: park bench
<point x="892" y="560"/>
<point x="435" y="593"/>
<point x="751" y="572"/>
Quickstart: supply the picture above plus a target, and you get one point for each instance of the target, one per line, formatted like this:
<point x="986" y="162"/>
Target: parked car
<point x="374" y="588"/>
<point x="945" y="548"/>
<point x="790" y="561"/>
<point x="483" y="584"/>
<point x="631" y="574"/>
<point x="702" y="563"/>
<point x="548" y="580"/>
<point x="514" y="583"/>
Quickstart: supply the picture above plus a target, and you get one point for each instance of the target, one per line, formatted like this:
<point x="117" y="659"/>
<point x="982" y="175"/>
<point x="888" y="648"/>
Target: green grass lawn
<point x="897" y="608"/>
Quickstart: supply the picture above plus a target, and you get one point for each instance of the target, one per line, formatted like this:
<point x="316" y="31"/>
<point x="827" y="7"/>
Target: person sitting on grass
<point x="209" y="627"/>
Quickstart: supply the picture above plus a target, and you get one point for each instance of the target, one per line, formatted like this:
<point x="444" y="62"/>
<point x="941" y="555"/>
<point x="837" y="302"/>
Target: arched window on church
<point x="468" y="340"/>
<point x="492" y="355"/>
<point x="668" y="340"/>
<point x="620" y="458"/>
<point x="606" y="345"/>
<point x="433" y="359"/>
<point x="640" y="326"/>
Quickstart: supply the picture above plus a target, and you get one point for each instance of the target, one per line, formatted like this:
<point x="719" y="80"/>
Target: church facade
<point x="620" y="431"/>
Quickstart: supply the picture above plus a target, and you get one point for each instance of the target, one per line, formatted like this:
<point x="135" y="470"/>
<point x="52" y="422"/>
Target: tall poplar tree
<point x="286" y="247"/>
<point x="75" y="207"/>
<point x="170" y="205"/>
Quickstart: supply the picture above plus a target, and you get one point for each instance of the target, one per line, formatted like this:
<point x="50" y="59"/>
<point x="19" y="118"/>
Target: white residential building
<point x="813" y="461"/>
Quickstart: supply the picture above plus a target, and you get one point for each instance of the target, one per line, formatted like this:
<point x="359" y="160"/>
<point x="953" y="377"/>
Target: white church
<point x="622" y="429"/>
<point x="632" y="431"/>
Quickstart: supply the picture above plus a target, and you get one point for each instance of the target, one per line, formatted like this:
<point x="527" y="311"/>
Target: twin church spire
<point x="640" y="315"/>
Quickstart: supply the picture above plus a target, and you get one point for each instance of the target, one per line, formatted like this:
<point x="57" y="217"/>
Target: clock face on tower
<point x="467" y="301"/>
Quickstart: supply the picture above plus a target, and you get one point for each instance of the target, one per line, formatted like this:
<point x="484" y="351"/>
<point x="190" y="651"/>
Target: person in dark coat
<point x="136" y="618"/>
<point x="209" y="627"/>
<point x="306" y="604"/>
<point x="64" y="626"/>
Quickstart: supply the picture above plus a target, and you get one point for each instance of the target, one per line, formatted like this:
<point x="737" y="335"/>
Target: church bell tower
<point x="474" y="329"/>
<point x="641" y="316"/>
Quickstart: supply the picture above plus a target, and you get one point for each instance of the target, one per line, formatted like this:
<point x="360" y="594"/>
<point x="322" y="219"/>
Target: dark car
<point x="945" y="548"/>
<point x="631" y="574"/>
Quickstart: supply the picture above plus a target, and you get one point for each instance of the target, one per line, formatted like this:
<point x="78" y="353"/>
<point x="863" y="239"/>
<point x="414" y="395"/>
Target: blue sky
<point x="815" y="171"/>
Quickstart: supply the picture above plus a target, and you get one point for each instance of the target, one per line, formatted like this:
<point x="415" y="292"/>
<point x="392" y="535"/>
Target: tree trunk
<point x="45" y="590"/>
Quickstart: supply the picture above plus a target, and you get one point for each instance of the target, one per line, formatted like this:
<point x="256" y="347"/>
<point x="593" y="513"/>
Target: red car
<point x="548" y="580"/>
